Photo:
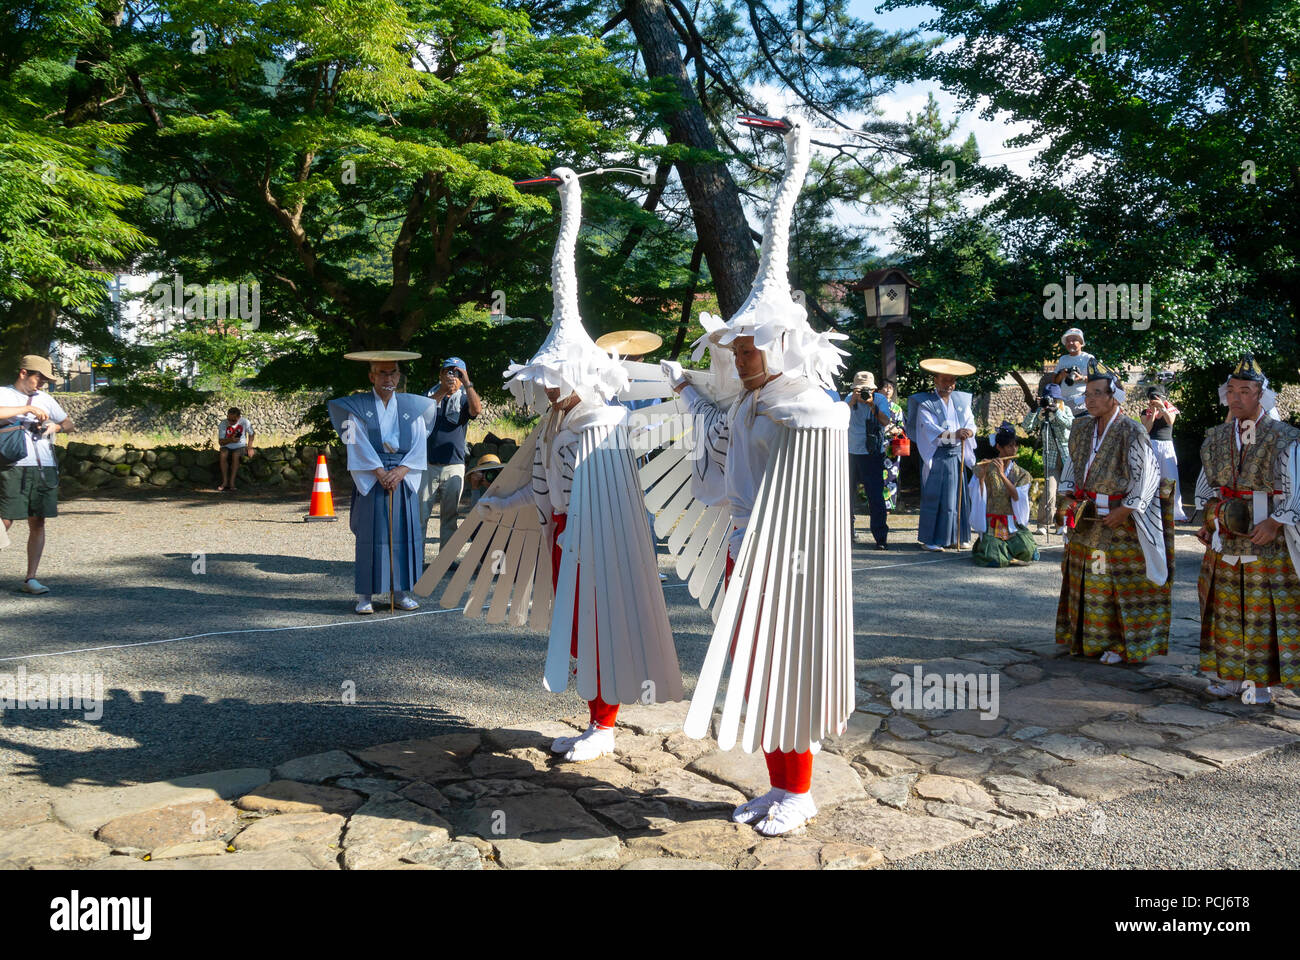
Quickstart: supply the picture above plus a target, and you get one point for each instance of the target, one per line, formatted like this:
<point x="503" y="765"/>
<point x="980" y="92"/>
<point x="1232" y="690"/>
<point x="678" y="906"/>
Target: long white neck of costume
<point x="774" y="256"/>
<point x="564" y="274"/>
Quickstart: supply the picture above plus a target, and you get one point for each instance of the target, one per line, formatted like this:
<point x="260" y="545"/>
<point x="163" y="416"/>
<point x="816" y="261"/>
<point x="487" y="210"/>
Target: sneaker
<point x="364" y="605"/>
<point x="757" y="808"/>
<point x="795" y="810"/>
<point x="407" y="602"/>
<point x="592" y="745"/>
<point x="32" y="585"/>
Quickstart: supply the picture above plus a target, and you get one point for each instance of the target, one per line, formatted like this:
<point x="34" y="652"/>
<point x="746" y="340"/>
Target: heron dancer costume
<point x="378" y="435"/>
<point x="1002" y="523"/>
<point x="565" y="525"/>
<point x="1115" y="589"/>
<point x="778" y="456"/>
<point x="1250" y="593"/>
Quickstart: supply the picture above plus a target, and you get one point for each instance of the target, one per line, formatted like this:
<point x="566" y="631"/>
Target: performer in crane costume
<point x="564" y="526"/>
<point x="778" y="456"/>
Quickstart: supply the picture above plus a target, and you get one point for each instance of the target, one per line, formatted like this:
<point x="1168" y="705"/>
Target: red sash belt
<point x="1107" y="500"/>
<point x="1228" y="493"/>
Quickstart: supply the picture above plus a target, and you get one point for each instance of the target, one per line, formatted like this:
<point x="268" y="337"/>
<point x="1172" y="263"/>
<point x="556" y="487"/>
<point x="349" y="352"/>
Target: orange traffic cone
<point x="322" y="501"/>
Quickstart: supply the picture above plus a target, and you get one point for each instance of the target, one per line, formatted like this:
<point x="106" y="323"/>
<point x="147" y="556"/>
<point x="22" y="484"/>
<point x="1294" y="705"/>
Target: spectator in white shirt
<point x="1071" y="372"/>
<point x="235" y="437"/>
<point x="29" y="488"/>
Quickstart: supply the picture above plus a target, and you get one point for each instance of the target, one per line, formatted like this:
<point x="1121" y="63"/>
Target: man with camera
<point x="868" y="420"/>
<point x="1050" y="420"/>
<point x="1158" y="418"/>
<point x="457" y="403"/>
<point x="1249" y="583"/>
<point x="1072" y="371"/>
<point x="29" y="487"/>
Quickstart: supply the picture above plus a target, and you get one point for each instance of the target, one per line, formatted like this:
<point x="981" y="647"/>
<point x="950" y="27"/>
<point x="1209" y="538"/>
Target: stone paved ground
<point x="897" y="784"/>
<point x="452" y="789"/>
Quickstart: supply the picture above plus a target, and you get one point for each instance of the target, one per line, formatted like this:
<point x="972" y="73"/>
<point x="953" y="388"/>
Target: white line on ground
<point x="356" y="622"/>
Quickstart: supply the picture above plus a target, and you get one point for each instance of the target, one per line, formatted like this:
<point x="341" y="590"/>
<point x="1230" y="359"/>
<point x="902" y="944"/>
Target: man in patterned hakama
<point x="1249" y="487"/>
<point x="385" y="434"/>
<point x="1118" y="564"/>
<point x="779" y="457"/>
<point x="999" y="497"/>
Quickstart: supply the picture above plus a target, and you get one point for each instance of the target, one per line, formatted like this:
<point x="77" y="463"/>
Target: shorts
<point x="29" y="492"/>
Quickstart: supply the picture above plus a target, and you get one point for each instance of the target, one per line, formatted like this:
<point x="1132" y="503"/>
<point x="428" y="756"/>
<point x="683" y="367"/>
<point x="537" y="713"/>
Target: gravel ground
<point x="245" y="663"/>
<point x="1241" y="817"/>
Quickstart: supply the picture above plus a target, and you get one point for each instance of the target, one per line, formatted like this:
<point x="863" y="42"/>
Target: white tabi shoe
<point x="595" y="743"/>
<point x="757" y="808"/>
<point x="364" y="605"/>
<point x="406" y="601"/>
<point x="1224" y="688"/>
<point x="932" y="547"/>
<point x="1110" y="656"/>
<point x="790" y="814"/>
<point x="32" y="585"/>
<point x="565" y="744"/>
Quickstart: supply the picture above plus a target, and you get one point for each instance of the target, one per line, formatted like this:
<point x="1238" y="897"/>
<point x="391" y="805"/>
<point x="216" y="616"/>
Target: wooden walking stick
<point x="392" y="570"/>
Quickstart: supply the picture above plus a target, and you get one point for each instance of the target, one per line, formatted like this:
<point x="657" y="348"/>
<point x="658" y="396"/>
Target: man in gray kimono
<point x="385" y="434"/>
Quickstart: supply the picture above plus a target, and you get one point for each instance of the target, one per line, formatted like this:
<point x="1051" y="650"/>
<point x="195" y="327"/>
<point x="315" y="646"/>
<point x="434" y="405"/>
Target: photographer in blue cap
<point x="457" y="404"/>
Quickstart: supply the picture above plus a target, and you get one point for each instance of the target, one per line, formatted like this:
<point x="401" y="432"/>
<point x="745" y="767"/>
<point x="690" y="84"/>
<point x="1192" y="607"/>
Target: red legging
<point x="786" y="769"/>
<point x="603" y="714"/>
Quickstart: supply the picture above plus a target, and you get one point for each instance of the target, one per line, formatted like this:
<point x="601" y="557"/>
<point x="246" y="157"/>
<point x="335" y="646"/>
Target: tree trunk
<point x="29" y="328"/>
<point x="715" y="202"/>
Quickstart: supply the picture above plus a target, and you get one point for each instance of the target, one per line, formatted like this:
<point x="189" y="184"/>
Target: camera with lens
<point x="1072" y="376"/>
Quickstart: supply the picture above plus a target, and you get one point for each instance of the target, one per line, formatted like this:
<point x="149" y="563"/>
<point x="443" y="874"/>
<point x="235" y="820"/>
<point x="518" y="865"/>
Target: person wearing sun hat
<point x="385" y="434"/>
<point x="480" y="476"/>
<point x="29" y="488"/>
<point x="1117" y="568"/>
<point x="1249" y="584"/>
<point x="943" y="424"/>
<point x="1071" y="371"/>
<point x="869" y="414"/>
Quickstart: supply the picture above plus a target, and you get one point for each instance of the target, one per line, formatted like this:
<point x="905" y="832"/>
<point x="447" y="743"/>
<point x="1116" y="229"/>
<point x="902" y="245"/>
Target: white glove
<point x="674" y="372"/>
<point x="489" y="508"/>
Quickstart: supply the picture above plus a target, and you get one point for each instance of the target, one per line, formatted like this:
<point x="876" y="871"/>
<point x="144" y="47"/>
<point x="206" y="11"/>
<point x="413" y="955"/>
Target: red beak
<point x="767" y="123"/>
<point x="525" y="183"/>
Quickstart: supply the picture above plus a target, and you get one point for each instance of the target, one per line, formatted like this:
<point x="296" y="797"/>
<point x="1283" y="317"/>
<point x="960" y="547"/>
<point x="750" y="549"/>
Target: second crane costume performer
<point x="567" y="510"/>
<point x="779" y="456"/>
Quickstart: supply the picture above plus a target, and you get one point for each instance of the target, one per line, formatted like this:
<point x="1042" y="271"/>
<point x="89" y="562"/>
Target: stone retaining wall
<point x="87" y="468"/>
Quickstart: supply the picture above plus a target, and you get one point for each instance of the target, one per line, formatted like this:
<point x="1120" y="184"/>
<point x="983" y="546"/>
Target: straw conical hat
<point x="630" y="343"/>
<point x="374" y="356"/>
<point x="956" y="368"/>
<point x="488" y="461"/>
